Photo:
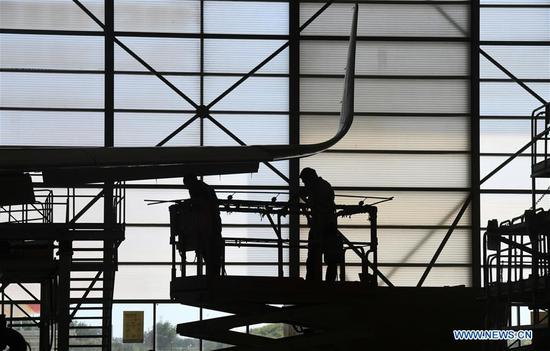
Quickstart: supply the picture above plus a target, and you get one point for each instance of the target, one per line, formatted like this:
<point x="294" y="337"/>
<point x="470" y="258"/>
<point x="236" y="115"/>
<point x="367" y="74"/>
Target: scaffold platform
<point x="345" y="315"/>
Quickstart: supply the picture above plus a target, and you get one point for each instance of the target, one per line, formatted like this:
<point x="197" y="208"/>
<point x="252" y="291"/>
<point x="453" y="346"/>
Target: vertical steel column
<point x="45" y="314"/>
<point x="109" y="63"/>
<point x="108" y="208"/>
<point x="64" y="294"/>
<point x="374" y="243"/>
<point x="474" y="140"/>
<point x="201" y="118"/>
<point x="154" y="326"/>
<point x="294" y="133"/>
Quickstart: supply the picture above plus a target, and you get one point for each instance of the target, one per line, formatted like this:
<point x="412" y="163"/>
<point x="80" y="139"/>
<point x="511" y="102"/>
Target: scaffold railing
<point x="275" y="211"/>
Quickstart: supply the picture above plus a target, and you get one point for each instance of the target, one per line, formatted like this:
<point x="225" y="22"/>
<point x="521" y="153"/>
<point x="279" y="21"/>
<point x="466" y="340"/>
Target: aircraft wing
<point x="78" y="165"/>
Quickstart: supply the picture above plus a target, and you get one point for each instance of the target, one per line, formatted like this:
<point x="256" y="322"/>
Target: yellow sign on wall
<point x="132" y="331"/>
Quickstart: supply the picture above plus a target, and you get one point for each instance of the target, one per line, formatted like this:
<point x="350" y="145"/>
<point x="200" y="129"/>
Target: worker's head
<point x="308" y="175"/>
<point x="189" y="179"/>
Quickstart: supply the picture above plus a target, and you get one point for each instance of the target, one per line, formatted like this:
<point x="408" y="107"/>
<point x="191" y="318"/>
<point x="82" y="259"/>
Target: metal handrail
<point x="39" y="211"/>
<point x="281" y="209"/>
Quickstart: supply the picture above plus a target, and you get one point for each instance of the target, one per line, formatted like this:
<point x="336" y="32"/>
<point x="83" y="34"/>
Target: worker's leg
<point x="213" y="257"/>
<point x="332" y="264"/>
<point x="314" y="268"/>
<point x="331" y="251"/>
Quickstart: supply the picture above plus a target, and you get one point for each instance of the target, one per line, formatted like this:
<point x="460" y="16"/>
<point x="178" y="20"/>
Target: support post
<point x="474" y="145"/>
<point x="374" y="240"/>
<point x="45" y="314"/>
<point x="294" y="136"/>
<point x="64" y="294"/>
<point x="108" y="205"/>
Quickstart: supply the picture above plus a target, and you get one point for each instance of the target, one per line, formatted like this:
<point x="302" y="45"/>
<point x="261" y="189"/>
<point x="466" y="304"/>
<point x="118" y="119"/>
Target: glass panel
<point x="49" y="14"/>
<point x="395" y="95"/>
<point x="251" y="129"/>
<point x="51" y="90"/>
<point x="388" y="20"/>
<point x="51" y="128"/>
<point x="523" y="61"/>
<point x="514" y="24"/>
<point x="149" y="92"/>
<point x="505" y="135"/>
<point x="51" y="51"/>
<point x="179" y="16"/>
<point x="245" y="17"/>
<point x="510" y="99"/>
<point x="390" y="133"/>
<point x="515" y="175"/>
<point x="505" y="206"/>
<point x="142" y="129"/>
<point x="156" y="240"/>
<point x="385" y="58"/>
<point x="163" y="54"/>
<point x="241" y="56"/>
<point x="142" y="282"/>
<point x="254" y="94"/>
<point x="386" y="170"/>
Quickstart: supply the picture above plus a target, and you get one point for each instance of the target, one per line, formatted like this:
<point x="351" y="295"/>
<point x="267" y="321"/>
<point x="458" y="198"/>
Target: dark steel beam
<point x="63" y="294"/>
<point x="177" y="130"/>
<point x="513" y="77"/>
<point x="86" y="293"/>
<point x="108" y="206"/>
<point x="16" y="304"/>
<point x="475" y="194"/>
<point x="202" y="74"/>
<point x="511" y="158"/>
<point x="51" y="32"/>
<point x="444" y="241"/>
<point x="294" y="134"/>
<point x="86" y="207"/>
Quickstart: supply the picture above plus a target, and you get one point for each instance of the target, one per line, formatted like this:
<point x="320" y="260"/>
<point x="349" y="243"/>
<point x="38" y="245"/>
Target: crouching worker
<point x="204" y="204"/>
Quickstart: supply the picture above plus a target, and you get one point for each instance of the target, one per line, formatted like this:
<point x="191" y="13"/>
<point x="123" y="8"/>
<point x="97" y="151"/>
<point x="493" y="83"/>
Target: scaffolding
<point x="73" y="261"/>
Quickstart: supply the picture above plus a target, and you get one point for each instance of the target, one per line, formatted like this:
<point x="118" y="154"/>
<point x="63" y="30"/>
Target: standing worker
<point x="323" y="233"/>
<point x="204" y="203"/>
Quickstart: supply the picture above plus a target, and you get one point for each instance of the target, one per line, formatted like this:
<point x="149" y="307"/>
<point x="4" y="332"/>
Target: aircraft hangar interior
<point x="256" y="175"/>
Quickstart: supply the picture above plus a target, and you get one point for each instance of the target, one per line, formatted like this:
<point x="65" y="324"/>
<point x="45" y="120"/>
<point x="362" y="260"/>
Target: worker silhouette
<point x="204" y="203"/>
<point x="323" y="236"/>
